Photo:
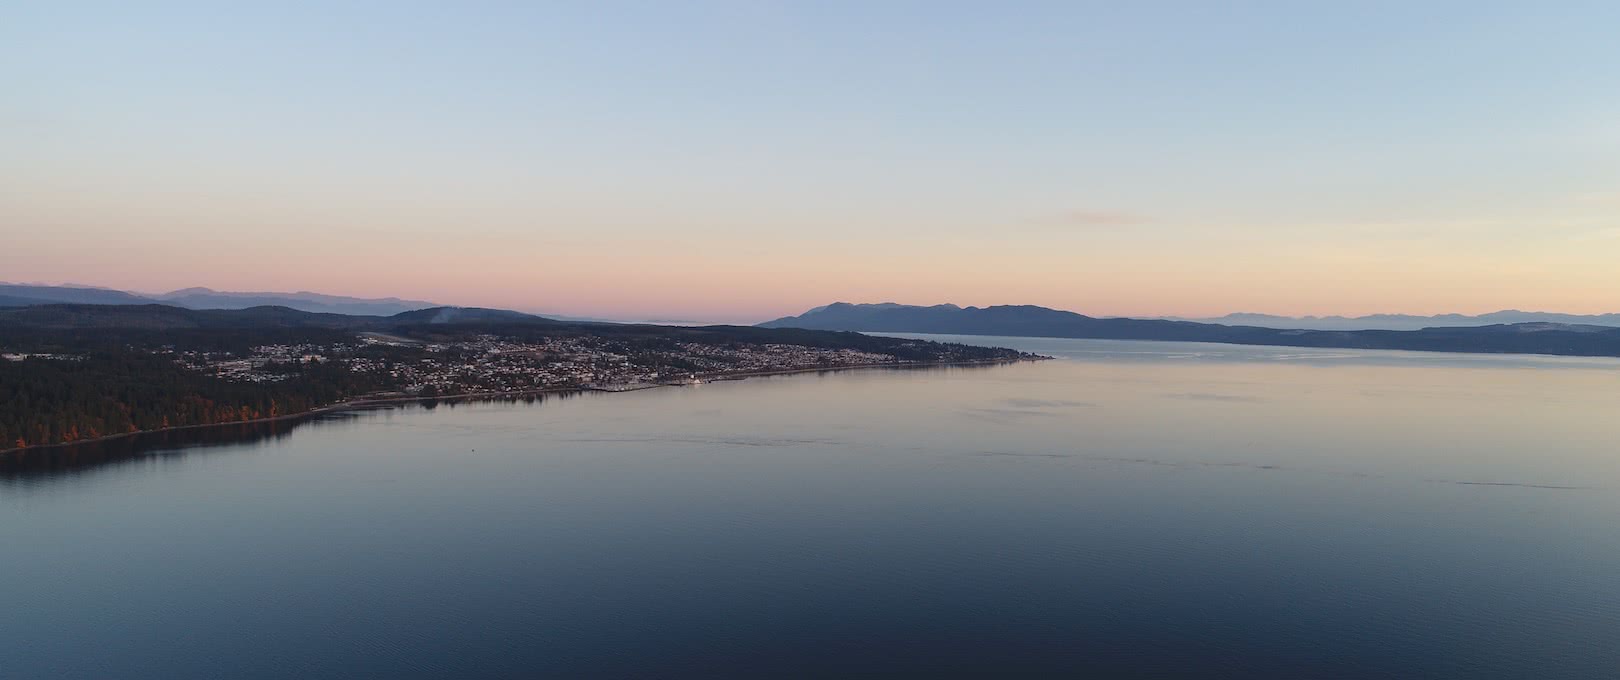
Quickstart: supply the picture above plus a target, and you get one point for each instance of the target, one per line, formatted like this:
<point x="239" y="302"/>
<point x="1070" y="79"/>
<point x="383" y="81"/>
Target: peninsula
<point x="72" y="373"/>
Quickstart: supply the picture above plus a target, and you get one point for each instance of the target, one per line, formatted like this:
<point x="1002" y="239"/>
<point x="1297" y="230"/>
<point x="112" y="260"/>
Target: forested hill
<point x="1032" y="321"/>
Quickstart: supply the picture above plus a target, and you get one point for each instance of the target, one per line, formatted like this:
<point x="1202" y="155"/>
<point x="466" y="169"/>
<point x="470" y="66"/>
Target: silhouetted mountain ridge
<point x="1034" y="321"/>
<point x="156" y="316"/>
<point x="19" y="295"/>
<point x="206" y="298"/>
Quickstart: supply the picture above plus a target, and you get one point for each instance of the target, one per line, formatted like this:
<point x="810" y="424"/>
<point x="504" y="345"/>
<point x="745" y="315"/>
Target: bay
<point x="1125" y="510"/>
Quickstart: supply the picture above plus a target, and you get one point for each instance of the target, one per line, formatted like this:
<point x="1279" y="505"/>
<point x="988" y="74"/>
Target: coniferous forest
<point x="53" y="401"/>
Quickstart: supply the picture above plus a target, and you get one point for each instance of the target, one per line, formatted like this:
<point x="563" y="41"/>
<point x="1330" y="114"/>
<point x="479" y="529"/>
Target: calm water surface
<point x="1131" y="509"/>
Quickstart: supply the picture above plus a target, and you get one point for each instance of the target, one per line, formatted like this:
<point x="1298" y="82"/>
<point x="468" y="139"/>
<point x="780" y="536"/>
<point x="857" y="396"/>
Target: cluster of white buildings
<point x="23" y="356"/>
<point x="266" y="363"/>
<point x="488" y="363"/>
<point x="772" y="357"/>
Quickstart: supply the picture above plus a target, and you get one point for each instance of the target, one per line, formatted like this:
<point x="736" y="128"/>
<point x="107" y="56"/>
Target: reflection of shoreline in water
<point x="142" y="446"/>
<point x="59" y="459"/>
<point x="174" y="444"/>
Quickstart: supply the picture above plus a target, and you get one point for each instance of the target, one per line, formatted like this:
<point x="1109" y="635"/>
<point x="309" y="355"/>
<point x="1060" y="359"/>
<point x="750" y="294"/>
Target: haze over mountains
<point x="19" y="295"/>
<point x="1508" y="331"/>
<point x="1389" y="322"/>
<point x="206" y="298"/>
<point x="1404" y="322"/>
<point x="1032" y="321"/>
<point x="167" y="317"/>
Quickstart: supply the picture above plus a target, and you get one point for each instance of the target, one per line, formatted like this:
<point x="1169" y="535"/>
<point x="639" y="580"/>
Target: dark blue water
<point x="1130" y="510"/>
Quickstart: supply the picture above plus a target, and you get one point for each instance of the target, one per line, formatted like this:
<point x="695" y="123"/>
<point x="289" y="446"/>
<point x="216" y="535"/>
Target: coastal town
<point x="60" y="385"/>
<point x="494" y="364"/>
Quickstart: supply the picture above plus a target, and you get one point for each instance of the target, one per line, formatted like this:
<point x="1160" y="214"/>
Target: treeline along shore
<point x="391" y="399"/>
<point x="77" y="373"/>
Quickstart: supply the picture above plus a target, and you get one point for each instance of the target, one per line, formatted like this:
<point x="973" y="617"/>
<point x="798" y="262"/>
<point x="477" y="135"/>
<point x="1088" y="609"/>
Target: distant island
<point x="1032" y="321"/>
<point x="1404" y="322"/>
<point x="78" y="372"/>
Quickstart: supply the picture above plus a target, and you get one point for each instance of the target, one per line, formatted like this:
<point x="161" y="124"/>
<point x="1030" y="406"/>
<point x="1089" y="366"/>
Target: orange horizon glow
<point x="737" y="277"/>
<point x="739" y="166"/>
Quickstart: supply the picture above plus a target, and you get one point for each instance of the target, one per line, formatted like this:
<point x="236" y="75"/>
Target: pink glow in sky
<point x="738" y="163"/>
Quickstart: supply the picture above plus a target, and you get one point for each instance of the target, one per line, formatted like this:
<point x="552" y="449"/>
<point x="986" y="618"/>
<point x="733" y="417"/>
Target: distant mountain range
<point x="204" y="298"/>
<point x="1405" y="322"/>
<point x="1032" y="321"/>
<point x="70" y="306"/>
<point x="17" y="295"/>
<point x="22" y="295"/>
<point x="165" y="317"/>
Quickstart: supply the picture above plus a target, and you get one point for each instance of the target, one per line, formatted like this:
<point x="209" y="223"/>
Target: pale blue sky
<point x="1123" y="158"/>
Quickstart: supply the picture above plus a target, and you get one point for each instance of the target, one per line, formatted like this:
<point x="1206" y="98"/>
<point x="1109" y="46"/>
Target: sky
<point x="739" y="161"/>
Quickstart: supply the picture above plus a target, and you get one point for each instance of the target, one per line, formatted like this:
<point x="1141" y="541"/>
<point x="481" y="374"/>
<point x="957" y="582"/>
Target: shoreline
<point x="906" y="335"/>
<point x="362" y="403"/>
